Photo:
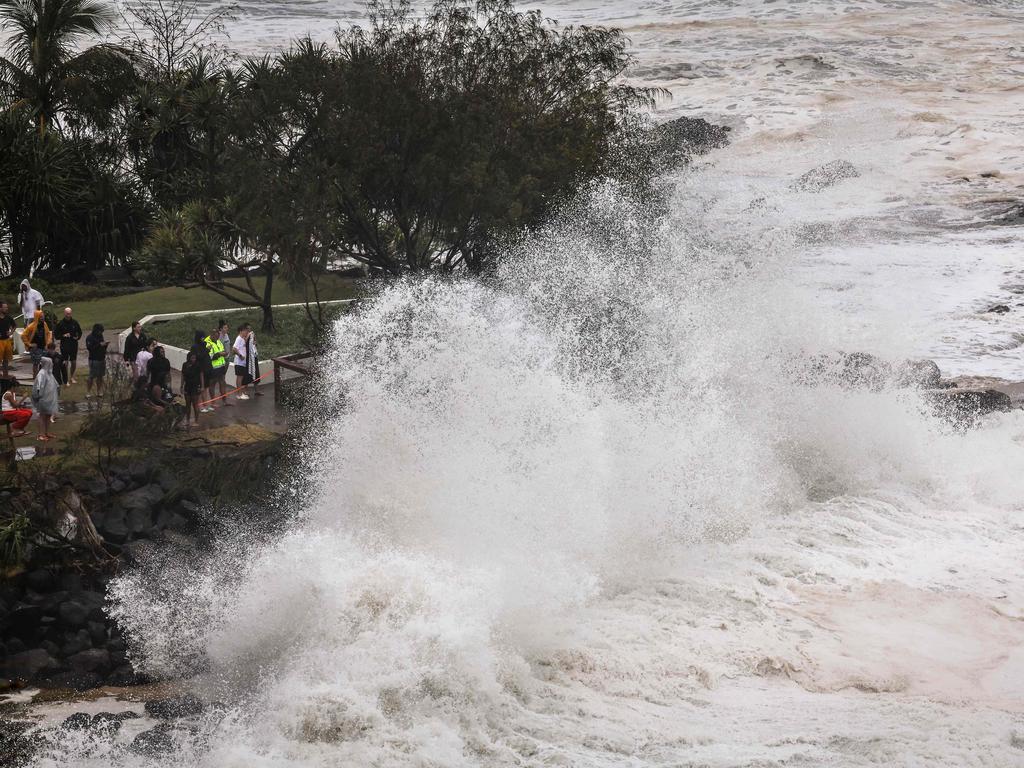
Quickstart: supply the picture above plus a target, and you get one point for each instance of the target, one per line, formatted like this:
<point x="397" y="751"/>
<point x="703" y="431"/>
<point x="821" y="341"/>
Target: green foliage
<point x="416" y="142"/>
<point x="48" y="71"/>
<point x="15" y="540"/>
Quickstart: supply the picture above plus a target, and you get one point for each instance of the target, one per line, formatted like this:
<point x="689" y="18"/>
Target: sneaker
<point x="243" y="396"/>
<point x="206" y="410"/>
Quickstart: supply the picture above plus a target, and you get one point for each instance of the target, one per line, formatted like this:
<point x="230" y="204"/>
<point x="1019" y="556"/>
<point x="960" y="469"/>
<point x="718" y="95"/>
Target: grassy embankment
<point x="118" y="312"/>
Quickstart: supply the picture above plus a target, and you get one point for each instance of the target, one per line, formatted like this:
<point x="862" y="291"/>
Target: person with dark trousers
<point x="60" y="366"/>
<point x="97" y="348"/>
<point x="202" y="354"/>
<point x="193" y="382"/>
<point x="69" y="333"/>
<point x="216" y="379"/>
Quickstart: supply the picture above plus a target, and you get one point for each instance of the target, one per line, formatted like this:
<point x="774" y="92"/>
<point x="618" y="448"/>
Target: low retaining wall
<point x="177" y="355"/>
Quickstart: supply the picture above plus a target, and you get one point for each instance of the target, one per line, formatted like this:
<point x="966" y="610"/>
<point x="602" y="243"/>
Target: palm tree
<point x="46" y="69"/>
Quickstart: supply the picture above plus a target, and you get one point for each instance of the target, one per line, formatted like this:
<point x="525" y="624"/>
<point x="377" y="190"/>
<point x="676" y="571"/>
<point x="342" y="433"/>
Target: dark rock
<point x="92" y="660"/>
<point x="77" y="722"/>
<point x="179" y="706"/>
<point x="147" y="497"/>
<point x="918" y="373"/>
<point x="966" y="406"/>
<point x="825" y="176"/>
<point x="167" y="480"/>
<point x="139" y="520"/>
<point x="17" y="744"/>
<point x="674" y="142"/>
<point x="51" y="648"/>
<point x="80" y="608"/>
<point x="169" y="519"/>
<point x="113" y="526"/>
<point x="71" y="582"/>
<point x="28" y="664"/>
<point x="14" y="645"/>
<point x="23" y="620"/>
<point x="863" y="370"/>
<point x="97" y="632"/>
<point x="188" y="508"/>
<point x="155" y="742"/>
<point x="74" y="613"/>
<point x="51" y="602"/>
<point x="75" y="642"/>
<point x="124" y="676"/>
<point x="109" y="723"/>
<point x="998" y="309"/>
<point x="40" y="580"/>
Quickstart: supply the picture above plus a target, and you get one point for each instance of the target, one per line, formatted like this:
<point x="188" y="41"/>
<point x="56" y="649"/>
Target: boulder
<point x="147" y="497"/>
<point x="77" y="722"/>
<point x="155" y="742"/>
<point x="112" y="525"/>
<point x="998" y="309"/>
<point x="18" y="743"/>
<point x="124" y="676"/>
<point x="75" y="642"/>
<point x="860" y="369"/>
<point x="825" y="176"/>
<point x="22" y="621"/>
<point x="92" y="660"/>
<point x="97" y="632"/>
<point x="139" y="520"/>
<point x="74" y="613"/>
<point x="40" y="580"/>
<point x="27" y="665"/>
<point x="965" y="406"/>
<point x="918" y="373"/>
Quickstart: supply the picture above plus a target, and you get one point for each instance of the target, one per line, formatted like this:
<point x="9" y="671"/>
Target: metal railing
<point x="289" y="363"/>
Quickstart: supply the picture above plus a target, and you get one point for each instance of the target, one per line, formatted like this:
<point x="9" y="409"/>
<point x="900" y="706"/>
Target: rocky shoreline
<point x="54" y="630"/>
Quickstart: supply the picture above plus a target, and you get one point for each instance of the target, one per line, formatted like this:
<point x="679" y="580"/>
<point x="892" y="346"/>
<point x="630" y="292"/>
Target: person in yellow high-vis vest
<point x="219" y="361"/>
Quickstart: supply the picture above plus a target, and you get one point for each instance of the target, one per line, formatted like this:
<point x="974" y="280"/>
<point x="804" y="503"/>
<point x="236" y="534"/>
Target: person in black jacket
<point x="68" y="333"/>
<point x="135" y="343"/>
<point x="160" y="370"/>
<point x="97" y="360"/>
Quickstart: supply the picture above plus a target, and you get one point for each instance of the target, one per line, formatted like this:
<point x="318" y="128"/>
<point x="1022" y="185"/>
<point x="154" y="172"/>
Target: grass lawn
<point x="118" y="312"/>
<point x="294" y="331"/>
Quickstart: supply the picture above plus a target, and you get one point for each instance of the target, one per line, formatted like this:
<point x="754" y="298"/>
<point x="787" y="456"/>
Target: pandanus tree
<point x="48" y="68"/>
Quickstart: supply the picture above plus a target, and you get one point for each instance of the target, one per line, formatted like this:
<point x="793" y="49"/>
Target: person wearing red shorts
<point x="13" y="412"/>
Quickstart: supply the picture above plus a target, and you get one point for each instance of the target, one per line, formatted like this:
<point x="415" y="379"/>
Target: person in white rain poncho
<point x="45" y="397"/>
<point x="30" y="300"/>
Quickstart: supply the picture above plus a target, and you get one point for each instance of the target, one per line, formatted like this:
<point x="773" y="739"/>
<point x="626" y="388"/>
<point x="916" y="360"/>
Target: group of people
<point x="54" y="356"/>
<point x="203" y="374"/>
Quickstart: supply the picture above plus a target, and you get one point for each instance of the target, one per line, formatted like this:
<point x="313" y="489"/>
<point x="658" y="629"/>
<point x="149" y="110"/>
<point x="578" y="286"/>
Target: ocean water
<point x="603" y="511"/>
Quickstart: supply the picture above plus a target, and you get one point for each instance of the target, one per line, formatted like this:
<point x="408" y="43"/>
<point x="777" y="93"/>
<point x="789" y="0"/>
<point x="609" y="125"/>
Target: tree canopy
<point x="409" y="143"/>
